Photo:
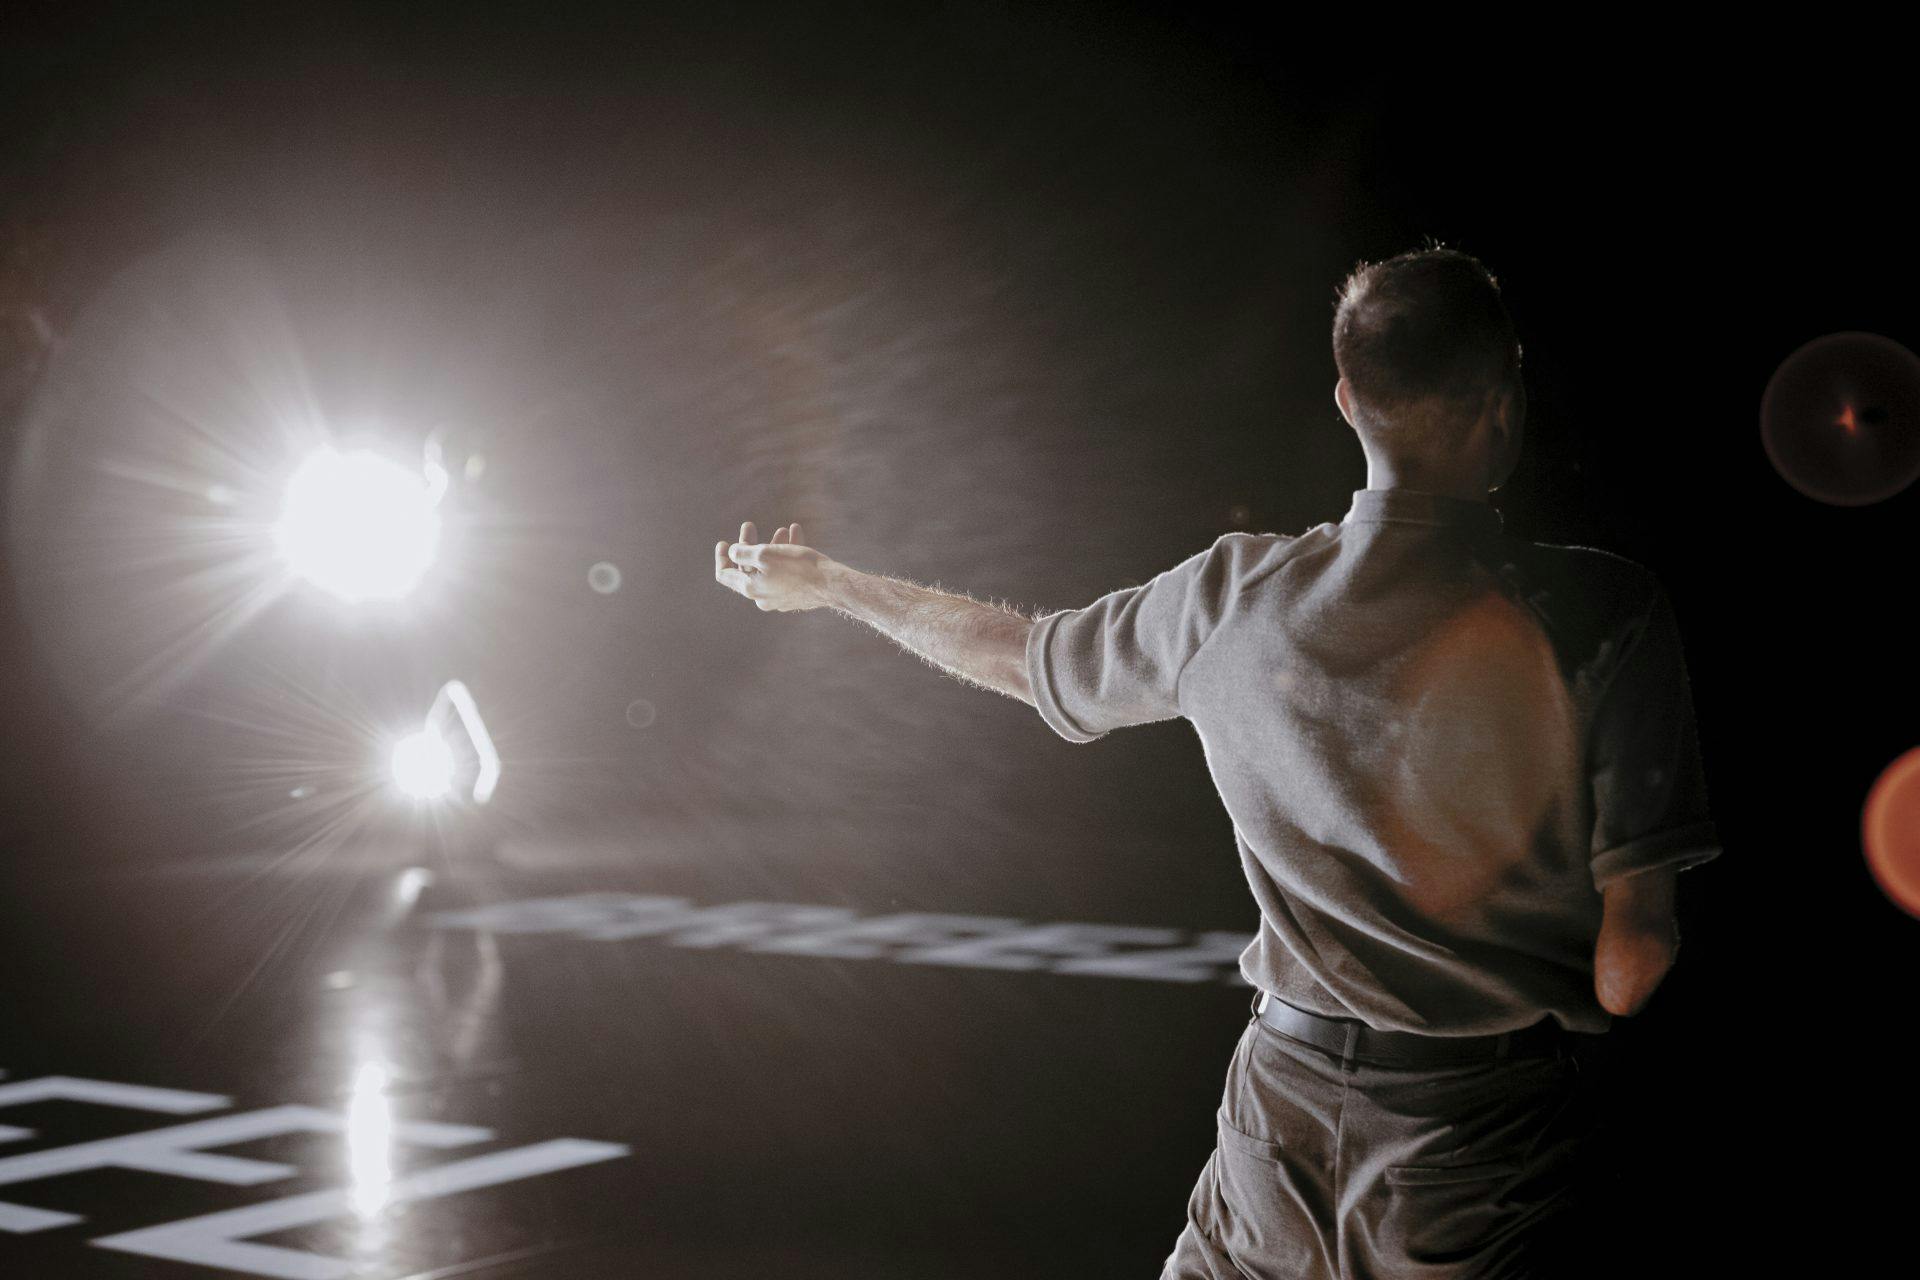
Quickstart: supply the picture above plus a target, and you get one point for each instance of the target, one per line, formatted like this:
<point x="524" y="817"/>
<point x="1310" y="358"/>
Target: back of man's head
<point x="1426" y="346"/>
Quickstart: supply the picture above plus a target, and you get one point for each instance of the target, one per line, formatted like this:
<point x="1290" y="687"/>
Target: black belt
<point x="1346" y="1038"/>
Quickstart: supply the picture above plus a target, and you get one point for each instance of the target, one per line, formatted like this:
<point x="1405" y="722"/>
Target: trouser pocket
<point x="1460" y="1172"/>
<point x="1275" y="1208"/>
<point x="1414" y="1175"/>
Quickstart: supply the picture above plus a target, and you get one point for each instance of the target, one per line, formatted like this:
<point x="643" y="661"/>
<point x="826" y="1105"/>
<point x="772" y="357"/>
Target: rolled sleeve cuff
<point x="1676" y="848"/>
<point x="1040" y="681"/>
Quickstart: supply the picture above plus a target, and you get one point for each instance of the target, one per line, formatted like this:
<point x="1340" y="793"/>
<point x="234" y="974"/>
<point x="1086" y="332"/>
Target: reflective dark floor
<point x="604" y="1059"/>
<point x="522" y="1062"/>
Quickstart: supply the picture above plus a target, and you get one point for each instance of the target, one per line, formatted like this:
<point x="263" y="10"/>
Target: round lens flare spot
<point x="358" y="525"/>
<point x="1890" y="831"/>
<point x="1840" y="419"/>
<point x="604" y="578"/>
<point x="423" y="765"/>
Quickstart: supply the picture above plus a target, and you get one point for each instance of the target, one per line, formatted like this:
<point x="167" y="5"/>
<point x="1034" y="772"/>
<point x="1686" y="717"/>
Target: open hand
<point x="780" y="576"/>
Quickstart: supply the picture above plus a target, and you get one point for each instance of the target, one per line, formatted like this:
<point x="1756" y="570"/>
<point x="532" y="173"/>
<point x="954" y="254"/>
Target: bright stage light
<point x="454" y="701"/>
<point x="359" y="525"/>
<point x="423" y="765"/>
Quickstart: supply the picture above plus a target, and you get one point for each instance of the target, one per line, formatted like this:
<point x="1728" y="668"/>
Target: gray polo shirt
<point x="1437" y="743"/>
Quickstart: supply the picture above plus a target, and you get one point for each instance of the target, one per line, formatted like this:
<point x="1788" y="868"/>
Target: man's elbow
<point x="1638" y="941"/>
<point x="1628" y="965"/>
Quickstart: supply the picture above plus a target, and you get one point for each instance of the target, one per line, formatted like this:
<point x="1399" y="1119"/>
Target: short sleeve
<point x="1649" y="788"/>
<point x="1118" y="661"/>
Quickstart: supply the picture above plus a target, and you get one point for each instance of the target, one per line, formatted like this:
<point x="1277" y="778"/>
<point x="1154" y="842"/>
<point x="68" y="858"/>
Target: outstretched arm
<point x="982" y="644"/>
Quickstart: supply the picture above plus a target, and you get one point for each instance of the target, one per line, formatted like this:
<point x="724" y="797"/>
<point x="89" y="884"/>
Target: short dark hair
<point x="1424" y="342"/>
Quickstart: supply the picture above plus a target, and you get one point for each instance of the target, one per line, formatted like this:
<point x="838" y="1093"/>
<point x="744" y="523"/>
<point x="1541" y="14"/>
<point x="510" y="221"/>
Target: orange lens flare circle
<point x="1890" y="832"/>
<point x="1840" y="419"/>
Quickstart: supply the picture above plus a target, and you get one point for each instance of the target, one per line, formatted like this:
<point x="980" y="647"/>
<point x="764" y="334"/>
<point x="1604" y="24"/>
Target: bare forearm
<point x="983" y="644"/>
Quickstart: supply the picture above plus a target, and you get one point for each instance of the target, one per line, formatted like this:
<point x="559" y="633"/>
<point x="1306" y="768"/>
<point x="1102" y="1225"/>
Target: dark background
<point x="1028" y="300"/>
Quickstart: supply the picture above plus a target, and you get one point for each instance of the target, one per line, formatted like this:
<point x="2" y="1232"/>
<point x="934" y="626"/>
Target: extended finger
<point x="736" y="580"/>
<point x="720" y="556"/>
<point x="779" y="536"/>
<point x="794" y="536"/>
<point x="747" y="533"/>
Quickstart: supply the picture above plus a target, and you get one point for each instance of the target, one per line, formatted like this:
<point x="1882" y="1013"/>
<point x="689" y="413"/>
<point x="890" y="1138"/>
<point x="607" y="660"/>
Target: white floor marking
<point x="1039" y="946"/>
<point x="21" y="1219"/>
<point x="177" y="1152"/>
<point x="1212" y="954"/>
<point x="218" y="1239"/>
<point x="878" y="937"/>
<point x="106" y="1093"/>
<point x="798" y="929"/>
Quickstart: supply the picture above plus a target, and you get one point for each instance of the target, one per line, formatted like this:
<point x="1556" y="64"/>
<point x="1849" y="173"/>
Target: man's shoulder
<point x="1601" y="570"/>
<point x="1251" y="555"/>
<point x="1600" y="589"/>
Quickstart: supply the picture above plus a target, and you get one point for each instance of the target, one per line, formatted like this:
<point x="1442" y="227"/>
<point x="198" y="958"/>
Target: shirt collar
<point x="1411" y="506"/>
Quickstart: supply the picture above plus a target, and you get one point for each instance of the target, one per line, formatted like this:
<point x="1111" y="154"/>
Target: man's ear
<point x="1509" y="431"/>
<point x="1343" y="399"/>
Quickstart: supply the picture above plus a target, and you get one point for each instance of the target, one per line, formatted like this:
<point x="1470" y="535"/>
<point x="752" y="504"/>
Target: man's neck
<point x="1384" y="474"/>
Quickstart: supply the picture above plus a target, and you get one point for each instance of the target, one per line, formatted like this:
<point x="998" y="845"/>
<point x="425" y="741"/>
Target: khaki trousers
<point x="1354" y="1170"/>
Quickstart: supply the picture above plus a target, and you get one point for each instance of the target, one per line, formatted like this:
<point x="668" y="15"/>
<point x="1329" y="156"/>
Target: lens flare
<point x="358" y="525"/>
<point x="1890" y="831"/>
<point x="1840" y="419"/>
<point x="423" y="765"/>
<point x="604" y="578"/>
